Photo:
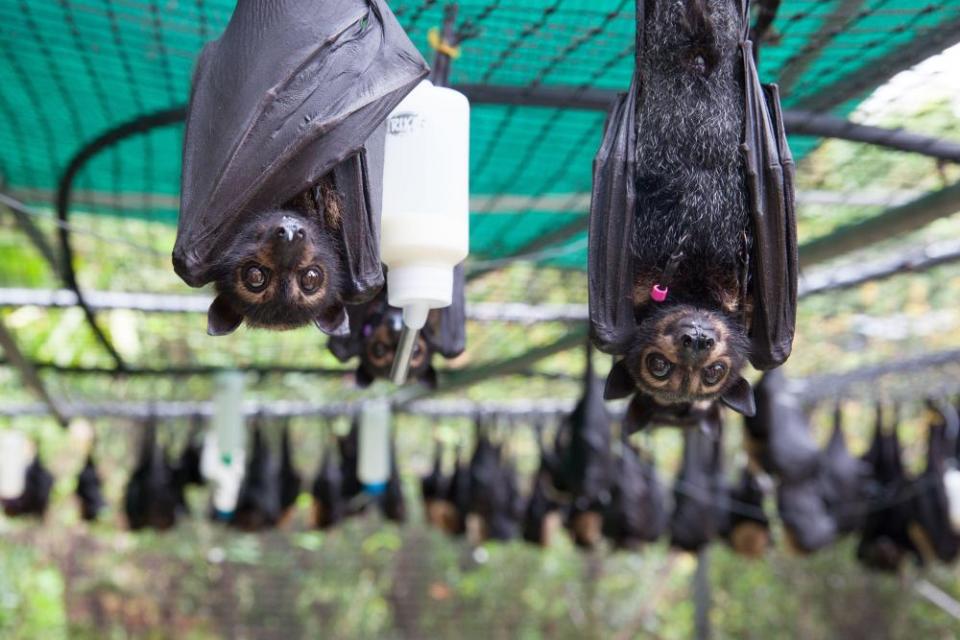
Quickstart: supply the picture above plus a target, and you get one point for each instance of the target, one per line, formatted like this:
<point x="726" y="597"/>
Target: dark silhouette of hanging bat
<point x="349" y="448"/>
<point x="931" y="530"/>
<point x="545" y="509"/>
<point x="435" y="488"/>
<point x="583" y="461"/>
<point x="636" y="513"/>
<point x="493" y="492"/>
<point x="778" y="436"/>
<point x="374" y="337"/>
<point x="38" y="482"/>
<point x="699" y="493"/>
<point x="289" y="480"/>
<point x="692" y="255"/>
<point x="258" y="502"/>
<point x="885" y="539"/>
<point x="90" y="491"/>
<point x="806" y="520"/>
<point x="152" y="498"/>
<point x="747" y="526"/>
<point x="188" y="466"/>
<point x="281" y="187"/>
<point x="391" y="501"/>
<point x="458" y="494"/>
<point x="843" y="480"/>
<point x="329" y="507"/>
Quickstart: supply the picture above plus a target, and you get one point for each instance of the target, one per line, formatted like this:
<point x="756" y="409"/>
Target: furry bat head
<point x="683" y="355"/>
<point x="281" y="271"/>
<point x="381" y="333"/>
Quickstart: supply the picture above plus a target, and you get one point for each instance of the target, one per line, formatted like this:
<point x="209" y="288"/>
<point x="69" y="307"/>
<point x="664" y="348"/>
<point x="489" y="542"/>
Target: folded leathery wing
<point x="885" y="540"/>
<point x="700" y="495"/>
<point x="772" y="264"/>
<point x="291" y="91"/>
<point x="778" y="436"/>
<point x="843" y="480"/>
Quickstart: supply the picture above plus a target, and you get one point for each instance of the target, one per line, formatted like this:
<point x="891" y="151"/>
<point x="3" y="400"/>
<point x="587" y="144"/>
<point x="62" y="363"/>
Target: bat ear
<point x="429" y="378"/>
<point x="739" y="397"/>
<point x="639" y="412"/>
<point x="222" y="318"/>
<point x="620" y="383"/>
<point x="363" y="378"/>
<point x="334" y="321"/>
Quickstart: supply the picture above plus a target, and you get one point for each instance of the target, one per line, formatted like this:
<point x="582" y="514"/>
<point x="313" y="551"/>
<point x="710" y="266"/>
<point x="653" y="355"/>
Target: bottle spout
<point x="414" y="317"/>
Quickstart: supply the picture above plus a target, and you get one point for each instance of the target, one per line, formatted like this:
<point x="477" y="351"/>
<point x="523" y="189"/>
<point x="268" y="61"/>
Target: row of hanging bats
<point x="692" y="239"/>
<point x="595" y="488"/>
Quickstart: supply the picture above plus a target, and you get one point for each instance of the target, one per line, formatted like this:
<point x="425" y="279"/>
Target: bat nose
<point x="696" y="342"/>
<point x="289" y="230"/>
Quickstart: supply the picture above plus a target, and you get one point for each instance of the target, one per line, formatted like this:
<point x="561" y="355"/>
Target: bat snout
<point x="289" y="231"/>
<point x="695" y="341"/>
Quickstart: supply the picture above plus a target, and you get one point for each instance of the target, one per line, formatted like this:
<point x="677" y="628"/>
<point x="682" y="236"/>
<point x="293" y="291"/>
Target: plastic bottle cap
<point x="375" y="489"/>
<point x="426" y="284"/>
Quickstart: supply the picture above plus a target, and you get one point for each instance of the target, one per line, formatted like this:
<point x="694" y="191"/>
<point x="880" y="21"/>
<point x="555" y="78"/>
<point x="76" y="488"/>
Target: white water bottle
<point x="425" y="227"/>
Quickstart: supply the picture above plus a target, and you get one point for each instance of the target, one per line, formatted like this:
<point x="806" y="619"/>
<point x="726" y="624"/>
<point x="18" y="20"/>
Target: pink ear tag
<point x="658" y="293"/>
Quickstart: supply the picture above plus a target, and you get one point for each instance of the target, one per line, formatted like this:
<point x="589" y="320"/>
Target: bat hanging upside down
<point x="283" y="158"/>
<point x="692" y="266"/>
<point x="282" y="270"/>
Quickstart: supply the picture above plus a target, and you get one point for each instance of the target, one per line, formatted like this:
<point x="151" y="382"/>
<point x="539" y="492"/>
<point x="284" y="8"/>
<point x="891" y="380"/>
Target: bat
<point x="282" y="158"/>
<point x="435" y="489"/>
<point x="152" y="498"/>
<point x="699" y="493"/>
<point x="289" y="479"/>
<point x="544" y="512"/>
<point x="748" y="527"/>
<point x="931" y="531"/>
<point x="258" y="502"/>
<point x="842" y="480"/>
<point x="188" y="467"/>
<point x="636" y="513"/>
<point x="583" y="461"/>
<point x="807" y="523"/>
<point x="374" y="337"/>
<point x="392" y="503"/>
<point x="351" y="487"/>
<point x="458" y="494"/>
<point x="329" y="507"/>
<point x="493" y="492"/>
<point x="778" y="437"/>
<point x="692" y="258"/>
<point x="89" y="491"/>
<point x="885" y="539"/>
<point x="35" y="498"/>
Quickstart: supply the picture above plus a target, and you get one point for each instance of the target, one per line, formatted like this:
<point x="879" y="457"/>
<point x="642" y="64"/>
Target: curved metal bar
<point x="137" y="126"/>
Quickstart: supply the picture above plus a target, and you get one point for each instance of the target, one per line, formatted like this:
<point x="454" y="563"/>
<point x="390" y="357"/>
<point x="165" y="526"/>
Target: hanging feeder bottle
<point x="426" y="203"/>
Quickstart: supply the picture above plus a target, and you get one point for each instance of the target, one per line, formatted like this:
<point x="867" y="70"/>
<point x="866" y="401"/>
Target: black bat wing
<point x="610" y="269"/>
<point x="448" y="336"/>
<point x="289" y="91"/>
<point x="773" y="255"/>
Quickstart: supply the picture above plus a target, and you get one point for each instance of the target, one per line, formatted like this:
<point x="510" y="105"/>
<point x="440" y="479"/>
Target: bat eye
<point x="658" y="366"/>
<point x="311" y="279"/>
<point x="713" y="373"/>
<point x="255" y="277"/>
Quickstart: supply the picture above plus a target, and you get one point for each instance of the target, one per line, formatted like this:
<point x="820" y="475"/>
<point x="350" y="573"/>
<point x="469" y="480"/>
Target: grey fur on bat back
<point x="690" y="179"/>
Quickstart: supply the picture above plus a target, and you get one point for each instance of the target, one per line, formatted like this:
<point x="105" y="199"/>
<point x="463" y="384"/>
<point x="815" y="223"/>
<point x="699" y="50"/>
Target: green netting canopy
<point x="72" y="69"/>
